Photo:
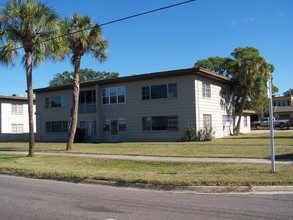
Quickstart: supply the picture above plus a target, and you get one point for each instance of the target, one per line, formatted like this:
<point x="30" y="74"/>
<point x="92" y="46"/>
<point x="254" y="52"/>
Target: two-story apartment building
<point x="14" y="124"/>
<point x="147" y="107"/>
<point x="283" y="108"/>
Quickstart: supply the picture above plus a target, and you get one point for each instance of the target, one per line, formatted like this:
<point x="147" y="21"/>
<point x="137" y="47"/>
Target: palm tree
<point x="28" y="25"/>
<point x="83" y="37"/>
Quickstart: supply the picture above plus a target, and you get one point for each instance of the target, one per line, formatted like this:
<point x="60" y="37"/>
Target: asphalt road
<point x="22" y="198"/>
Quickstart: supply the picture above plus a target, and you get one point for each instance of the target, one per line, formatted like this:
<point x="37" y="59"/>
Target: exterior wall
<point x="218" y="105"/>
<point x="57" y="114"/>
<point x="189" y="106"/>
<point x="134" y="109"/>
<point x="51" y="114"/>
<point x="283" y="101"/>
<point x="8" y="119"/>
<point x="245" y="128"/>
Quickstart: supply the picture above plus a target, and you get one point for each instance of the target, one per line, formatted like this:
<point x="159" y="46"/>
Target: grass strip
<point x="243" y="146"/>
<point x="165" y="173"/>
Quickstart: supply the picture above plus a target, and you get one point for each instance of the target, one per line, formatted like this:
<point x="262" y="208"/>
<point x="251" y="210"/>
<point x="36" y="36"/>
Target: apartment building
<point x="146" y="107"/>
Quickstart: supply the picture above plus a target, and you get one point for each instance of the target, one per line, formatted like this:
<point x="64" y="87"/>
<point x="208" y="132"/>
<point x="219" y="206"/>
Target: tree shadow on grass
<point x="284" y="157"/>
<point x="8" y="149"/>
<point x="267" y="137"/>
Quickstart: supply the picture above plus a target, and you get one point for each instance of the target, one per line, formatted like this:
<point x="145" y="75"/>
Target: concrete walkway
<point x="154" y="158"/>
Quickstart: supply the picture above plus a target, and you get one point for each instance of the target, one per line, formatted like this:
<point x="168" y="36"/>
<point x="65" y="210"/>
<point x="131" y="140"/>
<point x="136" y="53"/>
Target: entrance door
<point x="114" y="127"/>
<point x="88" y="128"/>
<point x="114" y="131"/>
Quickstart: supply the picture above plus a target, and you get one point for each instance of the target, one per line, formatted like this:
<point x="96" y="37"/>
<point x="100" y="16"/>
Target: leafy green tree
<point x="216" y="64"/>
<point x="289" y="92"/>
<point x="85" y="75"/>
<point x="84" y="37"/>
<point x="247" y="69"/>
<point x="27" y="25"/>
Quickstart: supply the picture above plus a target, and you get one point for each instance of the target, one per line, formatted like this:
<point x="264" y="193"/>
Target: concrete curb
<point x="196" y="189"/>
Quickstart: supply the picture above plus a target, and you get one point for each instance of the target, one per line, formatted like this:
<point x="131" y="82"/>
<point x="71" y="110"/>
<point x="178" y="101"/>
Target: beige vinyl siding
<point x="58" y="114"/>
<point x="212" y="105"/>
<point x="135" y="108"/>
<point x="44" y="115"/>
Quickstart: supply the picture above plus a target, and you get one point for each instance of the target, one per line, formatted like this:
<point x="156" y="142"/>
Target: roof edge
<point x="145" y="76"/>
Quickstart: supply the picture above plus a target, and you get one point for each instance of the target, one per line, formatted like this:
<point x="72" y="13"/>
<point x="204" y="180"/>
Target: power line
<point x="114" y="21"/>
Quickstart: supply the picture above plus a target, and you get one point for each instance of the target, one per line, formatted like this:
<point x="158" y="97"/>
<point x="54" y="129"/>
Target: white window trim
<point x="109" y="97"/>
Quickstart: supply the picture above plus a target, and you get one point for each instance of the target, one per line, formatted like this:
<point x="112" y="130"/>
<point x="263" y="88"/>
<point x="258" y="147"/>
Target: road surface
<point x="22" y="198"/>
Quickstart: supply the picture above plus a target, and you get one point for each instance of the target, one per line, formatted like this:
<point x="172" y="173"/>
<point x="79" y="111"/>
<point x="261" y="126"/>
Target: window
<point x="122" y="124"/>
<point x="159" y="123"/>
<point x="159" y="91"/>
<point x="56" y="101"/>
<point x="206" y="90"/>
<point x="106" y="125"/>
<point x="16" y="109"/>
<point x="17" y="128"/>
<point x="145" y="93"/>
<point x="114" y="95"/>
<point x="56" y="126"/>
<point x="87" y="101"/>
<point x="207" y="121"/>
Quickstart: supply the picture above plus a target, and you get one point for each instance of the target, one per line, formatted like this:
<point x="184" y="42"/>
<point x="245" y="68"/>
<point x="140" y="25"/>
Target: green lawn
<point x="243" y="146"/>
<point x="76" y="169"/>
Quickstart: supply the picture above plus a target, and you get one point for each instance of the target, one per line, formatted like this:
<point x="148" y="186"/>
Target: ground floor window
<point x="157" y="123"/>
<point x="207" y="121"/>
<point x="114" y="125"/>
<point x="56" y="126"/>
<point x="17" y="128"/>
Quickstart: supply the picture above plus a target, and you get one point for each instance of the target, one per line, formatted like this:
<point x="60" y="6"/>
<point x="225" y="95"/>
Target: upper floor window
<point x="206" y="90"/>
<point x="159" y="91"/>
<point x="87" y="101"/>
<point x="56" y="101"/>
<point x="16" y="109"/>
<point x="88" y="96"/>
<point x="114" y="95"/>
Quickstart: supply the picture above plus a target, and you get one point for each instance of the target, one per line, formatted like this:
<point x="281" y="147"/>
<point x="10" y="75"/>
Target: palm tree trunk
<point x="30" y="94"/>
<point x="74" y="110"/>
<point x="237" y="129"/>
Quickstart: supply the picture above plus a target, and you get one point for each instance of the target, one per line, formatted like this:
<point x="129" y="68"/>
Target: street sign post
<point x="271" y="124"/>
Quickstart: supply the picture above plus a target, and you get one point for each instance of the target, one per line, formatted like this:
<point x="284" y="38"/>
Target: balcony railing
<point x="84" y="108"/>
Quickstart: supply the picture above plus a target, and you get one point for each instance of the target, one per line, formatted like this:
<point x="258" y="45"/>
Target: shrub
<point x="205" y="134"/>
<point x="190" y="133"/>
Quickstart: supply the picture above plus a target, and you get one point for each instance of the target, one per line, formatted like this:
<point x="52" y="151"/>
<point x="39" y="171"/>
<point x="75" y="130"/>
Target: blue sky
<point x="174" y="38"/>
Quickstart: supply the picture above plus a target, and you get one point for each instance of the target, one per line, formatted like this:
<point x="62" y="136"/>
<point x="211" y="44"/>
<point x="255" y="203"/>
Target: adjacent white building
<point x="14" y="118"/>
